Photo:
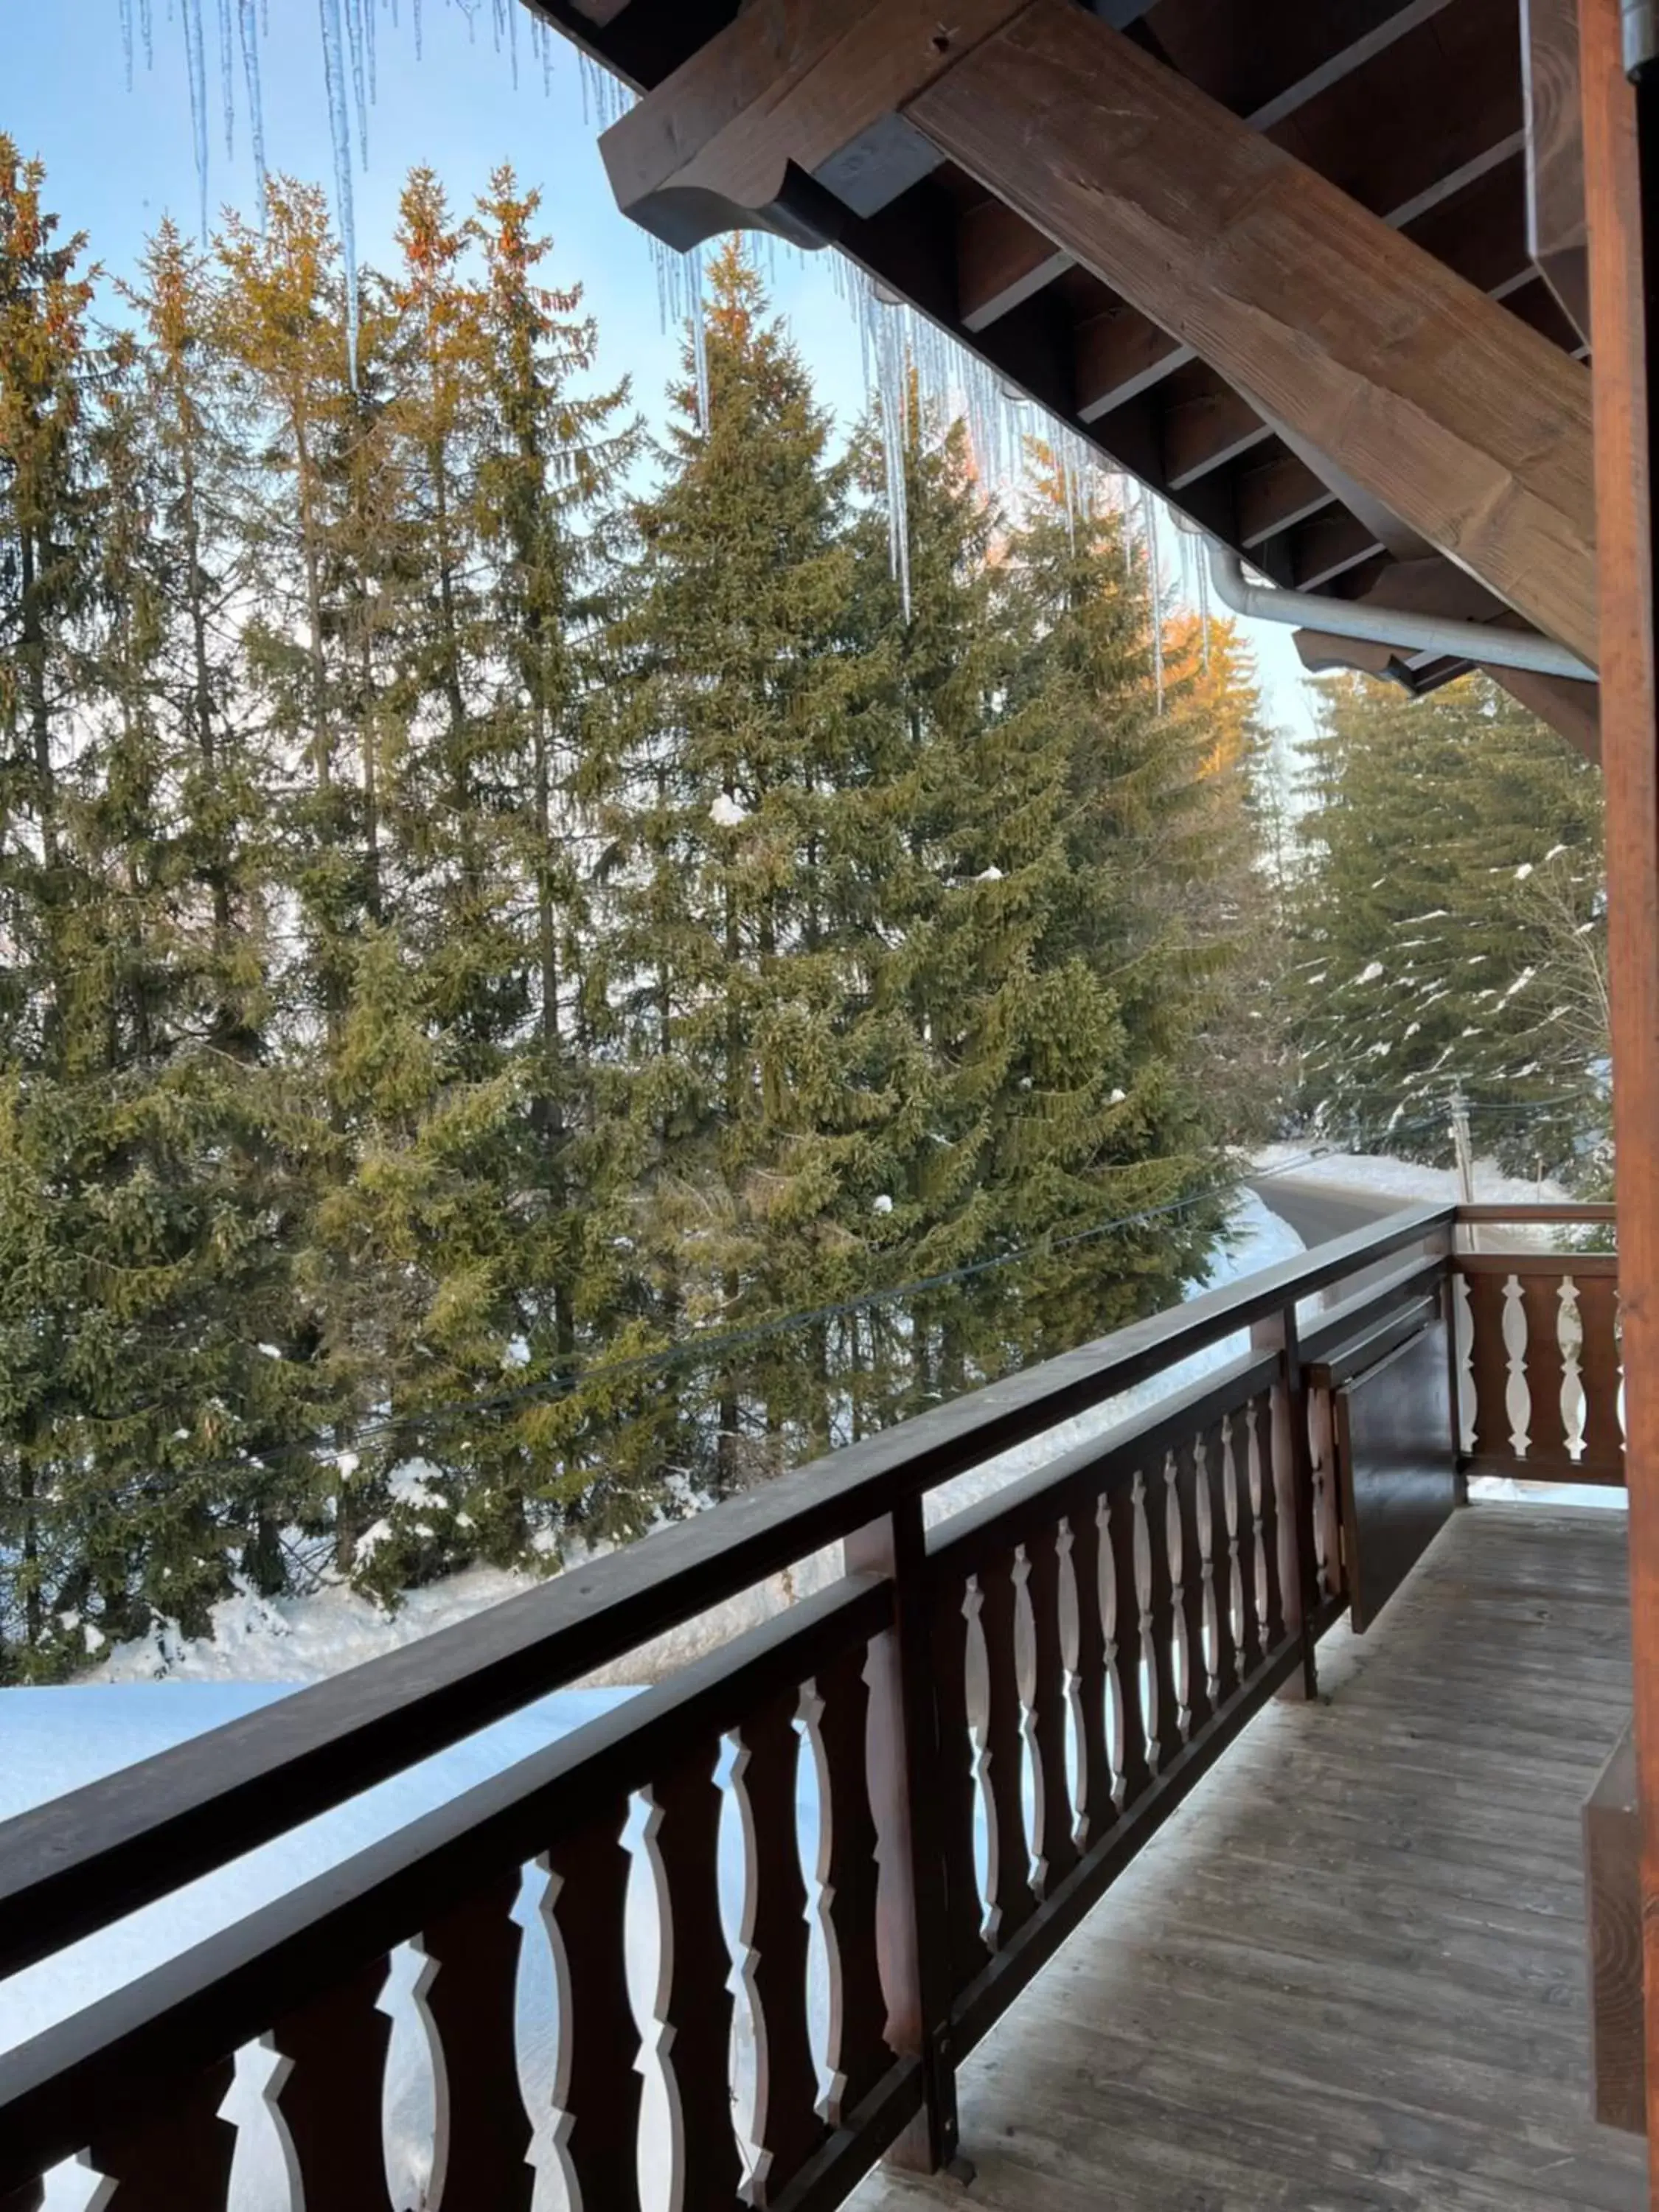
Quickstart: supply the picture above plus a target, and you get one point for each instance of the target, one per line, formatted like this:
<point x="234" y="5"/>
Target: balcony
<point x="1023" y="1846"/>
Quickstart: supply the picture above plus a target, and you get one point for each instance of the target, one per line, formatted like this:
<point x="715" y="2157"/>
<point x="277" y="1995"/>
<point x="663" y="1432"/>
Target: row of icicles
<point x="897" y="344"/>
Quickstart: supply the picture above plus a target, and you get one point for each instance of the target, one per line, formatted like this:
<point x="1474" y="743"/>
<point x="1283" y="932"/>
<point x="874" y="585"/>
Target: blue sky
<point x="119" y="160"/>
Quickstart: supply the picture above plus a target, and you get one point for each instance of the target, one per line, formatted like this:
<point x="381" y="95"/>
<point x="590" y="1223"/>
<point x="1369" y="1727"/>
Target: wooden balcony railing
<point x="1537" y="1356"/>
<point x="924" y="1776"/>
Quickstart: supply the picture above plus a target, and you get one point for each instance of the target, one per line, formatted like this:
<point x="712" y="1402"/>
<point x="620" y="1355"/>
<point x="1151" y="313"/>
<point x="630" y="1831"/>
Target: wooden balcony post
<point x="1621" y="161"/>
<point x="914" y="1929"/>
<point x="1292" y="1455"/>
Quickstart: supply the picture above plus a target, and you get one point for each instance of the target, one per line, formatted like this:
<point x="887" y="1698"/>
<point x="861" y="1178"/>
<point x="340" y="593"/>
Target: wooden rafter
<point x="1471" y="428"/>
<point x="1232" y="476"/>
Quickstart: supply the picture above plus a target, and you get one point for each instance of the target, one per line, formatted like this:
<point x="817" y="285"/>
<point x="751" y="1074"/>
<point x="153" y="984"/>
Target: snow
<point x="726" y="811"/>
<point x="302" y="1639"/>
<point x="989" y="876"/>
<point x="1370" y="973"/>
<point x="1408" y="1180"/>
<point x="883" y="1204"/>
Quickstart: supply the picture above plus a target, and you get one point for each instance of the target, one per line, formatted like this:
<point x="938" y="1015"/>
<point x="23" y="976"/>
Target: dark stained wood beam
<point x="1001" y="262"/>
<point x="1204" y="430"/>
<point x="1558" y="241"/>
<point x="1621" y="156"/>
<point x="1326" y="547"/>
<point x="1469" y="426"/>
<point x="1274" y="495"/>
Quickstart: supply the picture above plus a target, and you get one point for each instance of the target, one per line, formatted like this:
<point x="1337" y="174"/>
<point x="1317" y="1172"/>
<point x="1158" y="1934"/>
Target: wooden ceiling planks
<point x="1081" y="350"/>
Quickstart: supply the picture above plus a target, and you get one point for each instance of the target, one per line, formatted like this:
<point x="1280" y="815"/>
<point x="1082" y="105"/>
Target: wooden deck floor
<point x="1351" y="1972"/>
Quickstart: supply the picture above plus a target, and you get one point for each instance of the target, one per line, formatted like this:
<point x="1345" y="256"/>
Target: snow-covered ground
<point x="1406" y="1180"/>
<point x="302" y="1639"/>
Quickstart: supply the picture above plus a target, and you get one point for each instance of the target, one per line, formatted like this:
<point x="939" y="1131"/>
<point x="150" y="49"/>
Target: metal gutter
<point x="1435" y="635"/>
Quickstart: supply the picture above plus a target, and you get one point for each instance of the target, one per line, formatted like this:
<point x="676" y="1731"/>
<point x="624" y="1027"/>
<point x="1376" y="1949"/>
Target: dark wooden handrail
<point x="134" y="2045"/>
<point x="86" y="1859"/>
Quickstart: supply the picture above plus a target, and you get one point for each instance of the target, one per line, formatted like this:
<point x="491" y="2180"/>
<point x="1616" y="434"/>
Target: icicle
<point x="126" y="39"/>
<point x="339" y="124"/>
<point x="542" y="32"/>
<point x="1204" y="607"/>
<point x="1149" y="512"/>
<point x="369" y="59"/>
<point x="147" y="32"/>
<point x="227" y="78"/>
<point x="195" y="65"/>
<point x="256" y="111"/>
<point x="512" y="42"/>
<point x="354" y="26"/>
<point x="417" y="29"/>
<point x="699" y="337"/>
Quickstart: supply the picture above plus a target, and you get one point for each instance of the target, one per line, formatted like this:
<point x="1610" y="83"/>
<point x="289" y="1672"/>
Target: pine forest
<point x="541" y="984"/>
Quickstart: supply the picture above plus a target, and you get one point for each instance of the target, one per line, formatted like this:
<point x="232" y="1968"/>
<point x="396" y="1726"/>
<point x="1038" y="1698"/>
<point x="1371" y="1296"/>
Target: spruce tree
<point x="1450" y="879"/>
<point x="730" y="779"/>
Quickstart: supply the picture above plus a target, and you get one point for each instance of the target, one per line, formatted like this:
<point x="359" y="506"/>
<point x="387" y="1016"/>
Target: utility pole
<point x="1464" y="1149"/>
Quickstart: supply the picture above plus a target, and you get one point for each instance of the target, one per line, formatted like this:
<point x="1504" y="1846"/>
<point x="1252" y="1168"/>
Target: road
<point x="1320" y="1211"/>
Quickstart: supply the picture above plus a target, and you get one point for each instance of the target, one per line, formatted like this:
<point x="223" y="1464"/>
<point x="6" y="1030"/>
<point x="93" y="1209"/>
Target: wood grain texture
<point x="787" y="84"/>
<point x="1613" y="1912"/>
<point x="1350" y="1974"/>
<point x="1556" y="232"/>
<point x="1474" y="430"/>
<point x="1622" y="137"/>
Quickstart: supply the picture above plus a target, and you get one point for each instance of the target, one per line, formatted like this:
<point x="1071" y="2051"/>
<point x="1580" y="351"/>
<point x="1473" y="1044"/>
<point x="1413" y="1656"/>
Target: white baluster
<point x="1571" y="1338"/>
<point x="264" y="2168"/>
<point x="1517" y="1394"/>
<point x="1463" y="1337"/>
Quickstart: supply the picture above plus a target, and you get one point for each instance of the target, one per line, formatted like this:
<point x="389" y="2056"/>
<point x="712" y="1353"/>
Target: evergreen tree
<point x="1450" y="875"/>
<point x="1086" y="807"/>
<point x="751" y="1072"/>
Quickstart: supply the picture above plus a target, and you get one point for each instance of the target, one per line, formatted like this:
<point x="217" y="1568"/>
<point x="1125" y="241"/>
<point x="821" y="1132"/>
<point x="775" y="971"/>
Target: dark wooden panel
<point x="1613" y="1906"/>
<point x="470" y="2005"/>
<point x="1396" y="1467"/>
<point x="696" y="2008"/>
<point x="177" y="2160"/>
<point x="331" y="2102"/>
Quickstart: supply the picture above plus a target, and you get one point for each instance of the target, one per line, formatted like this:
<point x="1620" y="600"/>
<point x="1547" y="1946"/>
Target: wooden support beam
<point x="1324" y="46"/>
<point x="1468" y="426"/>
<point x="1621" y="164"/>
<point x="1572" y="710"/>
<point x="1001" y="262"/>
<point x="1403" y="176"/>
<point x="790" y="94"/>
<point x="1556" y="237"/>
